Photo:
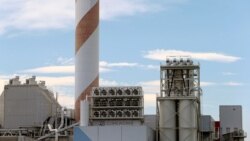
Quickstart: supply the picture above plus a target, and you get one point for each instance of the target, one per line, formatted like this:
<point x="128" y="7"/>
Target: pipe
<point x="61" y="125"/>
<point x="84" y="118"/>
<point x="61" y="130"/>
<point x="62" y="119"/>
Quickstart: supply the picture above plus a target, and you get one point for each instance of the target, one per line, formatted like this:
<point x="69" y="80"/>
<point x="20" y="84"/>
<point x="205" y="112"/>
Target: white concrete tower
<point x="86" y="50"/>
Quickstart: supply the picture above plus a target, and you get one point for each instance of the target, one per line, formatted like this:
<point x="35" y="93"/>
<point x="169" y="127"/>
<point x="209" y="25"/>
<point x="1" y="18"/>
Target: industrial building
<point x="30" y="112"/>
<point x="26" y="110"/>
<point x="178" y="106"/>
<point x="26" y="105"/>
<point x="117" y="113"/>
<point x="207" y="128"/>
<point x="119" y="110"/>
<point x="231" y="126"/>
<point x="178" y="116"/>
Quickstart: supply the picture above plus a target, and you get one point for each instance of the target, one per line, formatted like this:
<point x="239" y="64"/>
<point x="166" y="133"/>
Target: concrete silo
<point x="178" y="106"/>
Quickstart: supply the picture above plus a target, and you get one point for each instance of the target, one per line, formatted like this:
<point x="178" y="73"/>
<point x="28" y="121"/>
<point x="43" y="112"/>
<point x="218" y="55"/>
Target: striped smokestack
<point x="86" y="50"/>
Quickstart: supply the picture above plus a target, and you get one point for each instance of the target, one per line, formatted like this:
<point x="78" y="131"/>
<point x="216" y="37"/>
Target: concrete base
<point x="114" y="133"/>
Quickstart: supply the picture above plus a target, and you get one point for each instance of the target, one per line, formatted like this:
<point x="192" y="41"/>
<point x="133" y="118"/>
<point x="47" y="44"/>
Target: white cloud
<point x="176" y="1"/>
<point x="58" y="81"/>
<point x="161" y="54"/>
<point x="67" y="100"/>
<point x="205" y="84"/>
<point x="59" y="14"/>
<point x="108" y="82"/>
<point x="68" y="69"/>
<point x="233" y="84"/>
<point x="37" y="14"/>
<point x="65" y="61"/>
<point x="150" y="67"/>
<point x="2" y="28"/>
<point x="150" y="87"/>
<point x="120" y="64"/>
<point x="52" y="69"/>
<point x="2" y="83"/>
<point x="149" y="100"/>
<point x="103" y="70"/>
<point x="104" y="82"/>
<point x="111" y="9"/>
<point x="108" y="66"/>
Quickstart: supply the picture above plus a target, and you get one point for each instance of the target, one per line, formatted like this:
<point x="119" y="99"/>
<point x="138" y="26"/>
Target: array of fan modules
<point x="185" y="61"/>
<point x="116" y="103"/>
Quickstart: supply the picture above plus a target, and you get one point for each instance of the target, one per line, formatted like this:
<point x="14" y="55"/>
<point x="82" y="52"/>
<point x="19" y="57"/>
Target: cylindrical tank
<point x="86" y="50"/>
<point x="84" y="118"/>
<point x="167" y="121"/>
<point x="187" y="120"/>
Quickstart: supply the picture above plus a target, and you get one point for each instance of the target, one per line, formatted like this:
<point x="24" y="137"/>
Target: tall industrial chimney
<point x="86" y="50"/>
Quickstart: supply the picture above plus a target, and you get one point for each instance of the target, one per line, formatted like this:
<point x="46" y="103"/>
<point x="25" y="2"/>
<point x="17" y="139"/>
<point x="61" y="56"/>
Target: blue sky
<point x="37" y="38"/>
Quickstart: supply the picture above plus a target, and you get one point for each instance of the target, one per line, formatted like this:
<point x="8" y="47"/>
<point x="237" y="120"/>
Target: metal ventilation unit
<point x="178" y="106"/>
<point x="116" y="106"/>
